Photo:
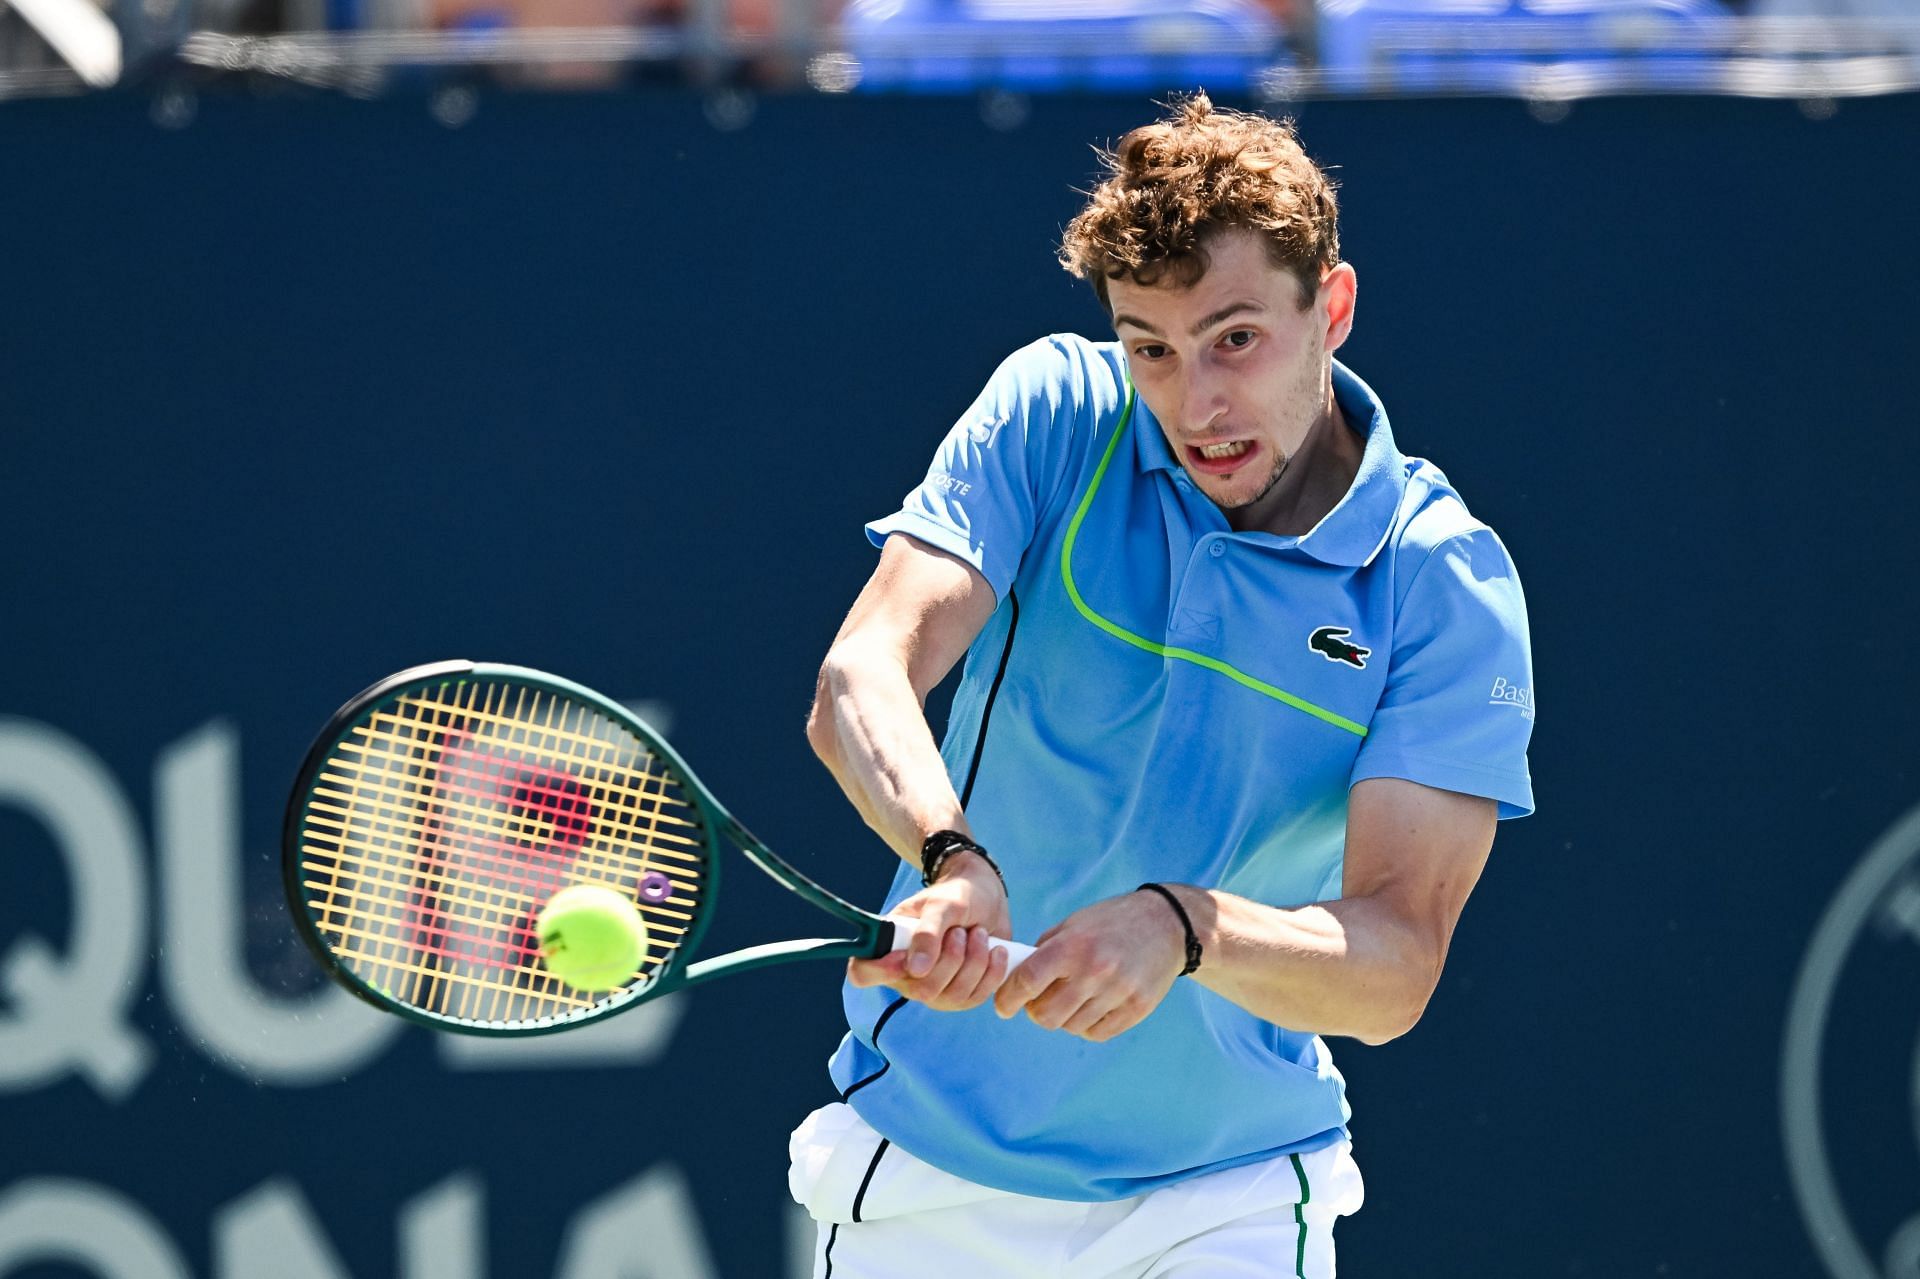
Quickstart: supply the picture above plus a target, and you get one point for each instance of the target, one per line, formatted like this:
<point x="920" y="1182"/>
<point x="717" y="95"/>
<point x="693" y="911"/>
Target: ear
<point x="1337" y="290"/>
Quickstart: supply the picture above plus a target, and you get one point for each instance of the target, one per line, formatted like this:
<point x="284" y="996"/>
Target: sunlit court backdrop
<point x="299" y="387"/>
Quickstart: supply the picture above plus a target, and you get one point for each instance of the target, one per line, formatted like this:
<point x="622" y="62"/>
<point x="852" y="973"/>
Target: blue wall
<point x="315" y="388"/>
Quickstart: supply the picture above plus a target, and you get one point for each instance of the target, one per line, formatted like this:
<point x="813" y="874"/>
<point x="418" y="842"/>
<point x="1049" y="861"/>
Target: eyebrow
<point x="1226" y="312"/>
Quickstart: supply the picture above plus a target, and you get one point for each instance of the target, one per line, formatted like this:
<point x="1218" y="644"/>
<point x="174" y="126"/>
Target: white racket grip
<point x="904" y="930"/>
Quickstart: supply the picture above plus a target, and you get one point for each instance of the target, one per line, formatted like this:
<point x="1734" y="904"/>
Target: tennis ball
<point x="591" y="937"/>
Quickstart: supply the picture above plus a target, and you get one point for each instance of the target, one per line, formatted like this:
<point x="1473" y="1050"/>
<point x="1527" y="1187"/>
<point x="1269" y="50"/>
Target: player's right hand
<point x="948" y="966"/>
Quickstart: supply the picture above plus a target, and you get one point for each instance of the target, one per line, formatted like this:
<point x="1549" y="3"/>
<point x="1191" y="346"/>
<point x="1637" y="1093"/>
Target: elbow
<point x="1389" y="1026"/>
<point x="820" y="728"/>
<point x="823" y="727"/>
<point x="1400" y="1013"/>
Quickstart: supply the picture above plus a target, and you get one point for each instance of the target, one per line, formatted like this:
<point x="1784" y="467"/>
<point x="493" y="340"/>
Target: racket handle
<point x="904" y="930"/>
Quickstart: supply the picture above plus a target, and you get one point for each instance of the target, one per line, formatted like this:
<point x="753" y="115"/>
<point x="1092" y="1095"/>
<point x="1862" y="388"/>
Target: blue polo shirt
<point x="1161" y="698"/>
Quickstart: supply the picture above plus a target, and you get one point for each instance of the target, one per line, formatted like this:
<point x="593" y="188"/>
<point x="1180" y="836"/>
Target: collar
<point x="1353" y="532"/>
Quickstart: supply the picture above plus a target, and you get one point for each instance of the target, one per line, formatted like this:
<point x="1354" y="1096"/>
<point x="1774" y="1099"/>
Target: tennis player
<point x="1246" y="691"/>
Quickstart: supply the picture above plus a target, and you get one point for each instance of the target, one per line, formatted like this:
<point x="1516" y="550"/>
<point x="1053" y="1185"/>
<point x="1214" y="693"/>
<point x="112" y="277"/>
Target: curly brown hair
<point x="1172" y="184"/>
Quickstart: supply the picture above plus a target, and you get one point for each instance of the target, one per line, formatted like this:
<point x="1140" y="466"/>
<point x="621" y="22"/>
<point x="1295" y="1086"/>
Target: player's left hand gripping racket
<point x="441" y="808"/>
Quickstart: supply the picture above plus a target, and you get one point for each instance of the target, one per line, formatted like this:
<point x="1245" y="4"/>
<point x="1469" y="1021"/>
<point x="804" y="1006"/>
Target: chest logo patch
<point x="1331" y="643"/>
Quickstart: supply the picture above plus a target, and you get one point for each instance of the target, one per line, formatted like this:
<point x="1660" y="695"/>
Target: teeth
<point x="1232" y="449"/>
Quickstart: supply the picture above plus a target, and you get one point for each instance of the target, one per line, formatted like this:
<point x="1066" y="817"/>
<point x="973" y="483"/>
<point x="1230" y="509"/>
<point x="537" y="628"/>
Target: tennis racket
<point x="442" y="807"/>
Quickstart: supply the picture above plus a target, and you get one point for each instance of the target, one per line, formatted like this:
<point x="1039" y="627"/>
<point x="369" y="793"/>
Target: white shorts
<point x="884" y="1214"/>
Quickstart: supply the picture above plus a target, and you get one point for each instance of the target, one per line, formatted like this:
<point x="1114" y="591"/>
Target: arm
<point x="1364" y="965"/>
<point x="912" y="622"/>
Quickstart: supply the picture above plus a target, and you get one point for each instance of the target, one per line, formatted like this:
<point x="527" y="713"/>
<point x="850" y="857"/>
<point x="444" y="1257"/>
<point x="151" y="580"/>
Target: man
<point x="1246" y="690"/>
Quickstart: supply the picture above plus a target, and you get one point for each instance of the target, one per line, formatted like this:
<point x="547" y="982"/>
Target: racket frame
<point x="873" y="934"/>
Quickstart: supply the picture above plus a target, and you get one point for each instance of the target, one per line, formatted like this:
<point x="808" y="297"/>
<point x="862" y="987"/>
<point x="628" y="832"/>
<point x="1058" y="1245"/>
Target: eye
<point x="1150" y="350"/>
<point x="1239" y="338"/>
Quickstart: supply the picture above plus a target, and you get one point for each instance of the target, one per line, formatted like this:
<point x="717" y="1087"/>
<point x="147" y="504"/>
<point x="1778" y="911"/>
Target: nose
<point x="1202" y="396"/>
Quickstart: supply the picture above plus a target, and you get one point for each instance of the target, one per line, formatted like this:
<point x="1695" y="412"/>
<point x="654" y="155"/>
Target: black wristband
<point x="1193" y="942"/>
<point x="942" y="844"/>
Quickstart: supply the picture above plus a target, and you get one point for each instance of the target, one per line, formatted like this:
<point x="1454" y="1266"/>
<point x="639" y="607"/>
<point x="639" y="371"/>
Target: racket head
<point x="440" y="808"/>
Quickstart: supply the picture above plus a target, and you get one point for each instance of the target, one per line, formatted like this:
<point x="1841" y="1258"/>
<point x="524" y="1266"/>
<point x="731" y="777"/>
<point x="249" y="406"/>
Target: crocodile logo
<point x="1331" y="643"/>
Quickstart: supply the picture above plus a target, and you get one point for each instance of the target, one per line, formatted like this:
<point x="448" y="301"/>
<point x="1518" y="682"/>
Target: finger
<point x="1089" y="1014"/>
<point x="888" y="970"/>
<point x="932" y="985"/>
<point x="923" y="948"/>
<point x="1028" y="991"/>
<point x="999" y="964"/>
<point x="1022" y="986"/>
<point x="972" y="984"/>
<point x="1059" y="1003"/>
<point x="960" y="987"/>
<point x="1117" y="1021"/>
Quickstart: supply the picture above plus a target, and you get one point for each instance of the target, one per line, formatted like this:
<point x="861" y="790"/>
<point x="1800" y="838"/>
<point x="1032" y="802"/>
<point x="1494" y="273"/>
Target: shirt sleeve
<point x="998" y="467"/>
<point x="1457" y="712"/>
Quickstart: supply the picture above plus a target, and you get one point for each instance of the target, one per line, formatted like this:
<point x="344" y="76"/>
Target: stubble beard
<point x="1305" y="389"/>
<point x="1279" y="469"/>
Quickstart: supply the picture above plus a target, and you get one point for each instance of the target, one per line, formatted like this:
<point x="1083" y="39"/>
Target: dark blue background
<point x="316" y="388"/>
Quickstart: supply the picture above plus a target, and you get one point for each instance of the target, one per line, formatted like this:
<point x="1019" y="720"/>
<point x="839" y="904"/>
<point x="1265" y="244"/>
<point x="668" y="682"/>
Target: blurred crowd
<point x="1049" y="45"/>
<point x="1536" y="48"/>
<point x="753" y="21"/>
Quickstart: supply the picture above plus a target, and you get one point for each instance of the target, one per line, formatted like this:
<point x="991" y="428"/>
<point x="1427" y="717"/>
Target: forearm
<point x="1363" y="966"/>
<point x="1352" y="967"/>
<point x="869" y="728"/>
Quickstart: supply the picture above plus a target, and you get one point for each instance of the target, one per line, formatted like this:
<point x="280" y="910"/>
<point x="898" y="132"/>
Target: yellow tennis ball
<point x="591" y="937"/>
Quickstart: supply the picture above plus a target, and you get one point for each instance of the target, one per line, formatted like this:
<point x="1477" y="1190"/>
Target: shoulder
<point x="1434" y="525"/>
<point x="1061" y="396"/>
<point x="1067" y="371"/>
<point x="1432" y="513"/>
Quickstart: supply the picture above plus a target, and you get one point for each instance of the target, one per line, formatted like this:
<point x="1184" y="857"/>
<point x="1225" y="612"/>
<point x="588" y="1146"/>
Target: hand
<point x="949" y="967"/>
<point x="1100" y="970"/>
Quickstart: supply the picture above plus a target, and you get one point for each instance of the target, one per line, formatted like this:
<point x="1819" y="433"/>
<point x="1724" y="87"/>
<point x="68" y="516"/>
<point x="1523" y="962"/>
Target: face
<point x="1235" y="371"/>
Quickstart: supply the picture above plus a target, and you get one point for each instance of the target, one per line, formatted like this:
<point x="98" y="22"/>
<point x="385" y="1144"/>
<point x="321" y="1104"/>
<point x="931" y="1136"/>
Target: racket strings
<point x="448" y="815"/>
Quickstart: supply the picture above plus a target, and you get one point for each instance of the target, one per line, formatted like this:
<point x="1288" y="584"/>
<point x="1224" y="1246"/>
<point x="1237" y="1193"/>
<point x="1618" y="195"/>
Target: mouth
<point x="1223" y="458"/>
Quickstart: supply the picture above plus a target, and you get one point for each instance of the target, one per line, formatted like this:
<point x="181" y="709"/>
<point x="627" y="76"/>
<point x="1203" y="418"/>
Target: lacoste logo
<point x="1331" y="643"/>
<point x="941" y="480"/>
<point x="983" y="432"/>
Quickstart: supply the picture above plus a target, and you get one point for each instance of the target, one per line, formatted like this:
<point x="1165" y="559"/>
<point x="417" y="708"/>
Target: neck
<point x="1315" y="478"/>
